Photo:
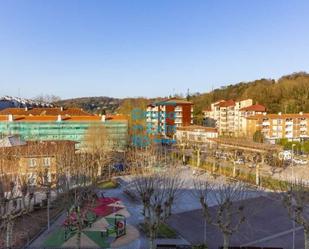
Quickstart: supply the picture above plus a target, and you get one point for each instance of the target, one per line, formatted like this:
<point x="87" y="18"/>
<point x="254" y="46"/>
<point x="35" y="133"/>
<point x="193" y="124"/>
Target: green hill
<point x="289" y="94"/>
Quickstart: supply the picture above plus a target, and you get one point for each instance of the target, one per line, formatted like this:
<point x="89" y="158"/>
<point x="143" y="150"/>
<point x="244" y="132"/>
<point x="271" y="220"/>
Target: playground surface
<point x="106" y="227"/>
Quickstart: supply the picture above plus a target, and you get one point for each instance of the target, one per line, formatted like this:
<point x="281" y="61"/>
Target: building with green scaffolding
<point x="59" y="127"/>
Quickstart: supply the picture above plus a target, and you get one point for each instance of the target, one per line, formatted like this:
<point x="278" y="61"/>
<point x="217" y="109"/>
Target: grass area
<point x="164" y="232"/>
<point x="108" y="184"/>
<point x="202" y="246"/>
<point x="56" y="239"/>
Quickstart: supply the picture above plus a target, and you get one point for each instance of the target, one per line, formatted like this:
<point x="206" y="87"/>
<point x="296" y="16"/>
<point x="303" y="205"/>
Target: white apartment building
<point x="164" y="117"/>
<point x="230" y="116"/>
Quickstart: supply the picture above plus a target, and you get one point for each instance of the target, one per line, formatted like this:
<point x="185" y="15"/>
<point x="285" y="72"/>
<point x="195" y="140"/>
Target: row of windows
<point x="33" y="162"/>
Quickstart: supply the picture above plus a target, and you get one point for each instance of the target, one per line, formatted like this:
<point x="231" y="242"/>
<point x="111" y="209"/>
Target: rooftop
<point x="279" y="116"/>
<point x="45" y="111"/>
<point x="171" y="101"/>
<point x="39" y="148"/>
<point x="64" y="118"/>
<point x="256" y="108"/>
<point x="227" y="103"/>
<point x="246" y="144"/>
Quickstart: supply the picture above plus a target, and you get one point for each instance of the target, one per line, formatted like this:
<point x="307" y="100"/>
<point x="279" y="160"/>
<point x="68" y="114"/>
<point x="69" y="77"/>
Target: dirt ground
<point x="28" y="226"/>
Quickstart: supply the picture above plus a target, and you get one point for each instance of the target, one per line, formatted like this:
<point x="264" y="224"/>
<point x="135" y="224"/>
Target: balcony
<point x="178" y="109"/>
<point x="303" y="128"/>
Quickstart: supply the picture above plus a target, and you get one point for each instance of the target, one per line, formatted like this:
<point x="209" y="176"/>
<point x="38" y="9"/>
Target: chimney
<point x="103" y="118"/>
<point x="279" y="113"/>
<point x="59" y="118"/>
<point x="10" y="118"/>
<point x="61" y="108"/>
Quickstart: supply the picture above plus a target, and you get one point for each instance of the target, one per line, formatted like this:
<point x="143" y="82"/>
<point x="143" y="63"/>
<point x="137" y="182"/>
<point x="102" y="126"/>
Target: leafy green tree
<point x="258" y="137"/>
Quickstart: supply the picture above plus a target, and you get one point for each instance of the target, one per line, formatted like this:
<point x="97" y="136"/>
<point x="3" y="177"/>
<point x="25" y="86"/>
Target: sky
<point x="130" y="48"/>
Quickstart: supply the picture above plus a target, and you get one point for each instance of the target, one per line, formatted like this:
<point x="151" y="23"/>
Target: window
<point x="46" y="161"/>
<point x="32" y="162"/>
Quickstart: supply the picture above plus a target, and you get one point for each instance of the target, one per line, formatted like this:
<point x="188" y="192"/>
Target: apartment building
<point x="60" y="124"/>
<point x="230" y="116"/>
<point x="35" y="158"/>
<point x="294" y="127"/>
<point x="164" y="117"/>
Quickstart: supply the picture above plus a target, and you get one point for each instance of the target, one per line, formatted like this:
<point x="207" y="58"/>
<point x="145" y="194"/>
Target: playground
<point x="99" y="225"/>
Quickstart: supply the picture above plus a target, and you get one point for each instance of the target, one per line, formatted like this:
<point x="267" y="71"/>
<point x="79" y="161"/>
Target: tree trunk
<point x="226" y="241"/>
<point x="257" y="175"/>
<point x="152" y="244"/>
<point x="151" y="239"/>
<point x="234" y="170"/>
<point x="9" y="233"/>
<point x="306" y="236"/>
<point x="198" y="158"/>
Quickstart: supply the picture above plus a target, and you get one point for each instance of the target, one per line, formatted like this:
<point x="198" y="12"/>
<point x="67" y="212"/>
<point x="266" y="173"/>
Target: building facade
<point x="61" y="127"/>
<point x="36" y="160"/>
<point x="230" y="116"/>
<point x="195" y="133"/>
<point x="293" y="127"/>
<point x="164" y="117"/>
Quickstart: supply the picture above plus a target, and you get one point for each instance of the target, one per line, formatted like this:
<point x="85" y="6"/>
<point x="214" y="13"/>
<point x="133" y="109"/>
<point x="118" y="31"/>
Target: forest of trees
<point x="289" y="94"/>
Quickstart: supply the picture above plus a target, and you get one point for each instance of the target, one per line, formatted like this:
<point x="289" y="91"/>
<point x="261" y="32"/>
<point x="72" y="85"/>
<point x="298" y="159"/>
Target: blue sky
<point x="150" y="48"/>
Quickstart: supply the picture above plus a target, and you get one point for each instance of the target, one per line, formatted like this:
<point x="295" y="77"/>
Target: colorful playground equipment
<point x="118" y="227"/>
<point x="75" y="219"/>
<point x="80" y="219"/>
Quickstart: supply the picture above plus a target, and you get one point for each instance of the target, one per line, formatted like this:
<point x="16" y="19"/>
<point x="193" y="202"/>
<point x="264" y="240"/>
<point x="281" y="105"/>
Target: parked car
<point x="240" y="161"/>
<point x="252" y="165"/>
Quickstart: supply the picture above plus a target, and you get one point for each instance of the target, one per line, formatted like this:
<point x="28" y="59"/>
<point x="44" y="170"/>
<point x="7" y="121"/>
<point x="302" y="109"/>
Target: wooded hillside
<point x="289" y="94"/>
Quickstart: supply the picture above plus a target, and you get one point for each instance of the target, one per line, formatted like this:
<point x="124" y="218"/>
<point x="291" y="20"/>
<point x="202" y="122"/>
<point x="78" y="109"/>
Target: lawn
<point x="108" y="185"/>
<point x="164" y="232"/>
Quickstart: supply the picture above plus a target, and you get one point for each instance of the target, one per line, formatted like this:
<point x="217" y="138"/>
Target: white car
<point x="303" y="162"/>
<point x="240" y="161"/>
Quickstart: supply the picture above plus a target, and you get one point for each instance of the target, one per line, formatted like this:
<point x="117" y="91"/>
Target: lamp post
<point x="293" y="245"/>
<point x="292" y="157"/>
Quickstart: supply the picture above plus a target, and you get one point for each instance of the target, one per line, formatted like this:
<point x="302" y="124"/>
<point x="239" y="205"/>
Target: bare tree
<point x="12" y="204"/>
<point x="47" y="98"/>
<point x="229" y="209"/>
<point x="295" y="198"/>
<point x="157" y="193"/>
<point x="101" y="145"/>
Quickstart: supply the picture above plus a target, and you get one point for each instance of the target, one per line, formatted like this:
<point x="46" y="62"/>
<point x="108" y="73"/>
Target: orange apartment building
<point x="294" y="127"/>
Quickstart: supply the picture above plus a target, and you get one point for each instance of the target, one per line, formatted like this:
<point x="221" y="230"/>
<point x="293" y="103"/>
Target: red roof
<point x="227" y="103"/>
<point x="256" y="108"/>
<point x="45" y="111"/>
<point x="54" y="118"/>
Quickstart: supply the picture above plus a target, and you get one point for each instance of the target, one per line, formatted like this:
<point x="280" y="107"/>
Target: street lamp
<point x="292" y="156"/>
<point x="293" y="145"/>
